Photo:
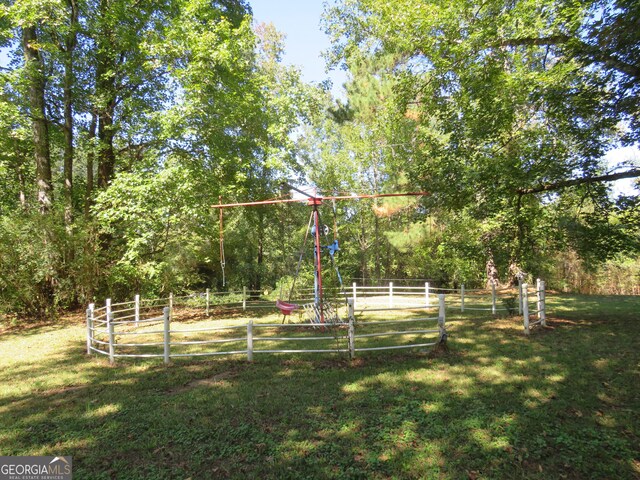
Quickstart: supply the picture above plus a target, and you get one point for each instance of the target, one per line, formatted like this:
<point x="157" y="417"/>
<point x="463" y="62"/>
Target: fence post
<point x="462" y="297"/>
<point x="92" y="307"/>
<point x="354" y="289"/>
<point x="525" y="308"/>
<point x="390" y="294"/>
<point x="250" y="340"/>
<point x="519" y="296"/>
<point x="493" y="297"/>
<point x="538" y="299"/>
<point x="543" y="304"/>
<point x="166" y="313"/>
<point x="426" y="294"/>
<point x="170" y="306"/>
<point x="244" y="299"/>
<point x="136" y="310"/>
<point x="441" y="319"/>
<point x="112" y="348"/>
<point x="352" y="329"/>
<point x="207" y="297"/>
<point x="107" y="304"/>
<point x="89" y="328"/>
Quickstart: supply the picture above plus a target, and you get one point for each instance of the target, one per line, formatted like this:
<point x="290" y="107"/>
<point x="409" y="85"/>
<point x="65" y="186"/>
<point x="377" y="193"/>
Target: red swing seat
<point x="286" y="308"/>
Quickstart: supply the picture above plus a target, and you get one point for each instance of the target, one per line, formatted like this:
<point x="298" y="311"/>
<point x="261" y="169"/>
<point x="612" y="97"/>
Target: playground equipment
<point x="320" y="312"/>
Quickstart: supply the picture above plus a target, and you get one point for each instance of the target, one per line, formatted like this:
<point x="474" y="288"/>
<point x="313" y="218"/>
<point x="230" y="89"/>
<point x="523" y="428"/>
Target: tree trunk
<point x="90" y="158"/>
<point x="106" y="92"/>
<point x="36" y="85"/>
<point x="18" y="166"/>
<point x="39" y="125"/>
<point x="70" y="45"/>
<point x="106" y="154"/>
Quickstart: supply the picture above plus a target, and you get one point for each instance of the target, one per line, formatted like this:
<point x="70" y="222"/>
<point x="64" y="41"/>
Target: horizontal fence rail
<point x="146" y="328"/>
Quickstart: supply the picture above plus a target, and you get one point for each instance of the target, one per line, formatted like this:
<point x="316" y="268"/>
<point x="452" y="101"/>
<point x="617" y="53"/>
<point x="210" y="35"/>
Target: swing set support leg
<point x="318" y="260"/>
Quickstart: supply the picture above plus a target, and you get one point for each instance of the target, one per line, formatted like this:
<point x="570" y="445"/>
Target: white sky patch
<point x="624" y="157"/>
<point x="310" y="189"/>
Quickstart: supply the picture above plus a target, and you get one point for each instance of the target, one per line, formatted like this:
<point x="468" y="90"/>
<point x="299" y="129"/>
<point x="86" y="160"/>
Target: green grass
<point x="563" y="403"/>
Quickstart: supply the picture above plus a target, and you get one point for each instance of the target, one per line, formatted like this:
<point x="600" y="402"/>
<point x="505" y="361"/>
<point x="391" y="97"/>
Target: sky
<point x="615" y="157"/>
<point x="305" y="40"/>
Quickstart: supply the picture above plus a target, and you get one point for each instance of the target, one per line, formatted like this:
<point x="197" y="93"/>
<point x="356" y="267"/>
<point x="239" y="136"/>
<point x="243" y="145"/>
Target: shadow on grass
<point x="561" y="404"/>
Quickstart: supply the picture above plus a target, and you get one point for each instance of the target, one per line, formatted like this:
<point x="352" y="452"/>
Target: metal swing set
<point x="320" y="311"/>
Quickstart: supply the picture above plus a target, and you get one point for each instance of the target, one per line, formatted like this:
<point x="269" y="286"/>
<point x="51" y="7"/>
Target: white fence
<point x="148" y="328"/>
<point x="392" y="297"/>
<point x="113" y="331"/>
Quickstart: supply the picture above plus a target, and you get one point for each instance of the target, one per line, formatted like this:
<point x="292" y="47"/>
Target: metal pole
<point x="339" y="197"/>
<point x="318" y="261"/>
<point x="170" y="305"/>
<point x="207" y="297"/>
<point x="462" y="297"/>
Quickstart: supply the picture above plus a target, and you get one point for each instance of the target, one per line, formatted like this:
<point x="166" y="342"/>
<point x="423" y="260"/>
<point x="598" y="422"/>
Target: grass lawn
<point x="563" y="403"/>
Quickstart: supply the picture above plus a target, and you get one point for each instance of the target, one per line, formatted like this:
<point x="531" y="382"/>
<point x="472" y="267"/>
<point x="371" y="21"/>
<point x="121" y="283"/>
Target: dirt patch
<point x="213" y="381"/>
<point x="565" y="322"/>
<point x="440" y="349"/>
<point x="15" y="325"/>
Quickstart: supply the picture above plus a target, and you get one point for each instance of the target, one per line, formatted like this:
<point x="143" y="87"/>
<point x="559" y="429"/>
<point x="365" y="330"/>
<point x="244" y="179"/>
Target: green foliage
<point x="29" y="264"/>
<point x="488" y="107"/>
<point x="173" y="105"/>
<point x="37" y="273"/>
<point x="154" y="221"/>
<point x="511" y="304"/>
<point x="152" y="114"/>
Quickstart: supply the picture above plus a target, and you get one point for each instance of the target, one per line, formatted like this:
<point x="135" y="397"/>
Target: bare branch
<point x="548" y="187"/>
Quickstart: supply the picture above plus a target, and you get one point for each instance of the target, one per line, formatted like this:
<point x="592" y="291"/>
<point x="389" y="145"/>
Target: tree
<point x="36" y="84"/>
<point x="169" y="92"/>
<point x="503" y="110"/>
